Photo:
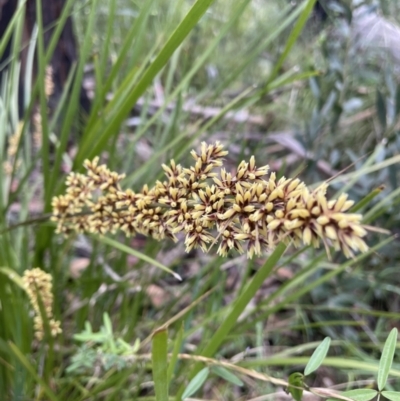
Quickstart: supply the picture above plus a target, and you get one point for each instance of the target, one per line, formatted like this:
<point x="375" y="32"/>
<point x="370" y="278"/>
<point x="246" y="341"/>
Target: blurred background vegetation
<point x="310" y="90"/>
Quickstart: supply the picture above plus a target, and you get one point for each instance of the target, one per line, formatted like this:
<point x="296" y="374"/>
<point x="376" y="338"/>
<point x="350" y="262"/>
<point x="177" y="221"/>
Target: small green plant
<point x="189" y="71"/>
<point x="101" y="349"/>
<point x="385" y="364"/>
<point x="297" y="379"/>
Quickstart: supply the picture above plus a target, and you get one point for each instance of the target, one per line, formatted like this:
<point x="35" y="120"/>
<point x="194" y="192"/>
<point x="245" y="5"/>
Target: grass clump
<point x="226" y="328"/>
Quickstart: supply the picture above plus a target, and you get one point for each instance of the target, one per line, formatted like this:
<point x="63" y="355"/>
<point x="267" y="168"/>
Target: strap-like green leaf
<point x="102" y="132"/>
<point x="140" y="255"/>
<point x="386" y="360"/>
<point x="175" y="352"/>
<point x="160" y="365"/>
<point x="227" y="375"/>
<point x="32" y="371"/>
<point x="13" y="276"/>
<point x="362" y="394"/>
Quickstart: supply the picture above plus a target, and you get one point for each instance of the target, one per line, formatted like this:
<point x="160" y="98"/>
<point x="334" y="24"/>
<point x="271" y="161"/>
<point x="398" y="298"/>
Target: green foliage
<point x="317" y="357"/>
<point x="160" y="364"/>
<point x="296" y="383"/>
<point x="386" y="360"/>
<point x="101" y="349"/>
<point x="163" y="75"/>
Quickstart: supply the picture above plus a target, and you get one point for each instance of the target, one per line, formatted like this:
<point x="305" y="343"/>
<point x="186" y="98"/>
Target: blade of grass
<point x="160" y="364"/>
<point x="139" y="255"/>
<point x="196" y="66"/>
<point x="305" y="289"/>
<point x="334" y="362"/>
<point x="297" y="280"/>
<point x="381" y="206"/>
<point x="131" y="179"/>
<point x="98" y="137"/>
<point x="237" y="308"/>
<point x="45" y="150"/>
<point x="261" y="45"/>
<point x="10" y="28"/>
<point x="367" y="199"/>
<point x="243" y="300"/>
<point x="294" y="34"/>
<point x="31" y="370"/>
<point x="73" y="104"/>
<point x="134" y="32"/>
<point x="175" y="352"/>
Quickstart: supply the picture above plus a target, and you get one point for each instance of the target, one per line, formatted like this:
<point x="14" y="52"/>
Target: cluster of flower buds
<point x="38" y="284"/>
<point x="247" y="209"/>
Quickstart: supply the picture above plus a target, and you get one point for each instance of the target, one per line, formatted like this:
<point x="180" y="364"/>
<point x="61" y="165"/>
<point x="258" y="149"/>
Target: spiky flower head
<point x="39" y="284"/>
<point x="247" y="209"/>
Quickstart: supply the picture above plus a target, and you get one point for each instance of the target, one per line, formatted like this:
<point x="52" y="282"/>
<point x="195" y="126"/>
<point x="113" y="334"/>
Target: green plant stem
<point x="238" y="307"/>
<point x="245" y="297"/>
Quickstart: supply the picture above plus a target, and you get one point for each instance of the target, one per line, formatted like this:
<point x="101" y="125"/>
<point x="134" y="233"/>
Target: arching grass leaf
<point x="227" y="375"/>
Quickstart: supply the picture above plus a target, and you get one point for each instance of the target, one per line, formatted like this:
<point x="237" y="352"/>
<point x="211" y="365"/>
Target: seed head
<point x="248" y="209"/>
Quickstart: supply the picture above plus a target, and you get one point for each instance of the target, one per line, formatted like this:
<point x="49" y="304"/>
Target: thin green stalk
<point x="306" y="289"/>
<point x="72" y="109"/>
<point x="247" y="295"/>
<point x="291" y="40"/>
<point x="238" y="308"/>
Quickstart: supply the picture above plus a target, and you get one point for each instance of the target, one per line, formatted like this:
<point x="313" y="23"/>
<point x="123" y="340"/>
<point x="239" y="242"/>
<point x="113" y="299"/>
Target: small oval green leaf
<point x="317" y="357"/>
<point x="296" y="385"/>
<point x="196" y="383"/>
<point x="362" y="394"/>
<point x="391" y="395"/>
<point x="227" y="375"/>
<point x="386" y="360"/>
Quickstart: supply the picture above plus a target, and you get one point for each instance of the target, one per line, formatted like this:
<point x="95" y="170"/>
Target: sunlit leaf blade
<point x="391" y="395"/>
<point x="160" y="365"/>
<point x="196" y="383"/>
<point x="318" y="356"/>
<point x="32" y="371"/>
<point x="140" y="255"/>
<point x="298" y="27"/>
<point x="102" y="134"/>
<point x="386" y="360"/>
<point x="362" y="394"/>
<point x="175" y="352"/>
<point x="227" y="375"/>
<point x="367" y="199"/>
